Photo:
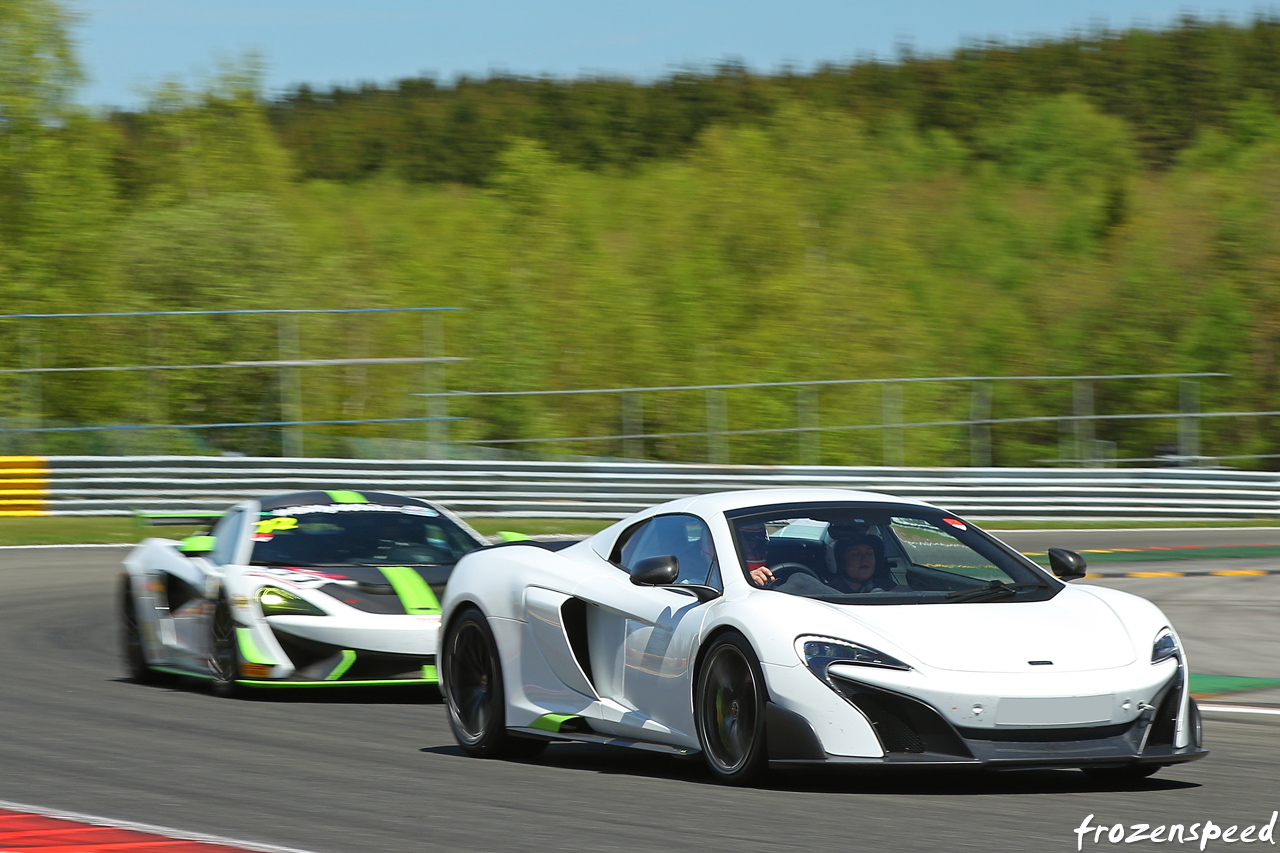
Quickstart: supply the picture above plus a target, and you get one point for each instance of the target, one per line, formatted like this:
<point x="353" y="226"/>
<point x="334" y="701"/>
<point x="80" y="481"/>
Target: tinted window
<point x="372" y="535"/>
<point x="227" y="535"/>
<point x="868" y="554"/>
<point x="681" y="536"/>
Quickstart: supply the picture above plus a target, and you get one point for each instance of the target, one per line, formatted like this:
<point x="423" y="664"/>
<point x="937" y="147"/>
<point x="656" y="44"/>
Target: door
<point x="642" y="639"/>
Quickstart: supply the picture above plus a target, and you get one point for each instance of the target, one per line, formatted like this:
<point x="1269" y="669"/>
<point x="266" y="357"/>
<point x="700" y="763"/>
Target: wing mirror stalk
<point x="1067" y="565"/>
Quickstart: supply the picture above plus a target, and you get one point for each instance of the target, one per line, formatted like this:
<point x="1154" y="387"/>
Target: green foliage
<point x="1100" y="204"/>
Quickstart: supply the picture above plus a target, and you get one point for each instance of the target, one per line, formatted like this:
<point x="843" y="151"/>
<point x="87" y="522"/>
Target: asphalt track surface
<point x="349" y="773"/>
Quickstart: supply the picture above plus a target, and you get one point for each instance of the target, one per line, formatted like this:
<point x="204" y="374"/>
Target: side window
<point x="226" y="534"/>
<point x="683" y="536"/>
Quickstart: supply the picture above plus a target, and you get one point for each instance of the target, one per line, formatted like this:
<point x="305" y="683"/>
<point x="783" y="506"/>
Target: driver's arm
<point x="761" y="576"/>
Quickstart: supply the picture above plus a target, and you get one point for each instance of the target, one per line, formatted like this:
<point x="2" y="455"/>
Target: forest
<point x="1102" y="203"/>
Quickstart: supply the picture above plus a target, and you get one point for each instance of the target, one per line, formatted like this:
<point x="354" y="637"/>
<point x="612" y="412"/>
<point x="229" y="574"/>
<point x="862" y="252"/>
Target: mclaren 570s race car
<point x="811" y="627"/>
<point x="309" y="589"/>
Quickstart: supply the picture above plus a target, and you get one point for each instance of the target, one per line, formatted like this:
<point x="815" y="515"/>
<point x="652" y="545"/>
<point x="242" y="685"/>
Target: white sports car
<point x="799" y="627"/>
<point x="311" y="589"/>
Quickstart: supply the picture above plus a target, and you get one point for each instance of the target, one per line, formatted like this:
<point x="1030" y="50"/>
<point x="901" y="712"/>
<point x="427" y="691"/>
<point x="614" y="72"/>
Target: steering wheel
<point x="782" y="571"/>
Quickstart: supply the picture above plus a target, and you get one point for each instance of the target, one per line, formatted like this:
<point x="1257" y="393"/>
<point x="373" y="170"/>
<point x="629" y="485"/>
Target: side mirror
<point x="655" y="571"/>
<point x="197" y="546"/>
<point x="1067" y="565"/>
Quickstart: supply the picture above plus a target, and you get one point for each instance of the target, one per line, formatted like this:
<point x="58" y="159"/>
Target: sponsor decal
<point x="956" y="523"/>
<point x="414" y="509"/>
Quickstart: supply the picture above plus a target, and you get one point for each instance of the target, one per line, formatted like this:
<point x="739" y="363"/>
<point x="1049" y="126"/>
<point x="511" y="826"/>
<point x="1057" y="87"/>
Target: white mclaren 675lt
<point x="314" y="589"/>
<point x="804" y="627"/>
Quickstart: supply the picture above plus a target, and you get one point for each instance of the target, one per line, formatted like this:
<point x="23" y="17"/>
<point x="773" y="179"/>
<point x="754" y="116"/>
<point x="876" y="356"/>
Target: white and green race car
<point x="311" y="589"/>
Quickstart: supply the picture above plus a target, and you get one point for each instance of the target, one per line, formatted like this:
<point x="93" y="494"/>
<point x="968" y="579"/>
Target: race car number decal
<point x="270" y="526"/>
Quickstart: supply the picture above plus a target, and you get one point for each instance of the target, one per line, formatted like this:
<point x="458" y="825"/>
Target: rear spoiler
<point x="178" y="519"/>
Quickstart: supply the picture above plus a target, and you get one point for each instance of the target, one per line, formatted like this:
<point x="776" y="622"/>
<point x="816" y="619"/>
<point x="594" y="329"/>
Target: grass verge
<point x="72" y="530"/>
<point x="111" y="530"/>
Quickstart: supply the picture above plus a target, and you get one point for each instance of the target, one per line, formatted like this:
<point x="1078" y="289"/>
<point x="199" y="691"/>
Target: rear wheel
<point x="471" y="680"/>
<point x="729" y="709"/>
<point x="135" y="657"/>
<point x="225" y="662"/>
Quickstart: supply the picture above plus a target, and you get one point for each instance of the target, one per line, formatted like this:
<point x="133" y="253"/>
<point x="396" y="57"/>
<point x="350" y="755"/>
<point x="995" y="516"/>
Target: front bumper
<point x="899" y="729"/>
<point x="323" y="652"/>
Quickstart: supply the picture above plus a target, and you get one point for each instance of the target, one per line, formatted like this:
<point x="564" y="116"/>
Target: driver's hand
<point x="761" y="576"/>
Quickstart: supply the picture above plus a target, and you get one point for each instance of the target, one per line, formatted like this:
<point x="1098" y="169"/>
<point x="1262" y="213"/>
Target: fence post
<point x="1082" y="408"/>
<point x="717" y="426"/>
<point x="290" y="386"/>
<point x="891" y="430"/>
<point x="979" y="428"/>
<point x="807" y="419"/>
<point x="29" y="341"/>
<point x="1189" y="427"/>
<point x="434" y="383"/>
<point x="633" y="425"/>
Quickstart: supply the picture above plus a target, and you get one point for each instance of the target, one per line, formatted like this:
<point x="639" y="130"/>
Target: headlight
<point x="1165" y="646"/>
<point x="820" y="653"/>
<point x="277" y="602"/>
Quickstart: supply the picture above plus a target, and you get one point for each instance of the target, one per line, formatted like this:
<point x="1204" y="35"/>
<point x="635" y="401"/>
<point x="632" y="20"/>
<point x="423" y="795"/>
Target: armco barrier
<point x="114" y="485"/>
<point x="24" y="485"/>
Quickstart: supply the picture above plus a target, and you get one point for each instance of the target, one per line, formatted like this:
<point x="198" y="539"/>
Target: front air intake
<point x="905" y="726"/>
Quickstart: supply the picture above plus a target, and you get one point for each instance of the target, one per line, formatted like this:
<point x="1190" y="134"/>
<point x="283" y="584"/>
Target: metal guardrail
<point x="100" y="485"/>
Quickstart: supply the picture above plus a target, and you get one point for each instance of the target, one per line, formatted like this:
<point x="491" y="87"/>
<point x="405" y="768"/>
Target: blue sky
<point x="127" y="45"/>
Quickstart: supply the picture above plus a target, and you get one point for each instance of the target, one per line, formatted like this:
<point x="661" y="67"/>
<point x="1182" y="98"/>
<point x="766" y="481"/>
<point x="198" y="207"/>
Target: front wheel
<point x="729" y="708"/>
<point x="135" y="657"/>
<point x="224" y="664"/>
<point x="471" y="681"/>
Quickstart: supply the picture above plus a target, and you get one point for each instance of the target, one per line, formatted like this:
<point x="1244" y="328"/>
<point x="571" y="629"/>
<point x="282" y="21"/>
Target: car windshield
<point x="881" y="554"/>
<point x="375" y="535"/>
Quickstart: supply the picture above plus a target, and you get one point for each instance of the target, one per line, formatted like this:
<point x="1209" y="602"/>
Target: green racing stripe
<point x="415" y="595"/>
<point x="249" y="650"/>
<point x="552" y="722"/>
<point x="348" y="658"/>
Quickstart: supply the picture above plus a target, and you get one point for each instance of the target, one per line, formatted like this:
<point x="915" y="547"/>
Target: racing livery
<point x="299" y="590"/>
<point x="811" y="626"/>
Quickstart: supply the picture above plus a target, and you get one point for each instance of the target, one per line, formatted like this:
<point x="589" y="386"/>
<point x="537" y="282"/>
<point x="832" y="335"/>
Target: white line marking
<point x="33" y="547"/>
<point x="179" y="834"/>
<point x="1241" y="709"/>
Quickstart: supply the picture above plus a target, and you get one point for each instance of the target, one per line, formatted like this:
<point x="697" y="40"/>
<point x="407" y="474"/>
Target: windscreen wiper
<point x="995" y="589"/>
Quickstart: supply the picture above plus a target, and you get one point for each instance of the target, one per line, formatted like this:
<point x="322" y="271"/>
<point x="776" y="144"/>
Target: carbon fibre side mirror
<point x="655" y="571"/>
<point x="1067" y="565"/>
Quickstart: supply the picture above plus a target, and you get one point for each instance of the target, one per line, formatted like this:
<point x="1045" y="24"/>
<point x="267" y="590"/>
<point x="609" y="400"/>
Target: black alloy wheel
<point x="135" y="659"/>
<point x="473" y="692"/>
<point x="729" y="709"/>
<point x="225" y="663"/>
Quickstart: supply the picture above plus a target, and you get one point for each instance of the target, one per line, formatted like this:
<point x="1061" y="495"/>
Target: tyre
<point x="135" y="658"/>
<point x="224" y="665"/>
<point x="728" y="706"/>
<point x="1128" y="775"/>
<point x="471" y="681"/>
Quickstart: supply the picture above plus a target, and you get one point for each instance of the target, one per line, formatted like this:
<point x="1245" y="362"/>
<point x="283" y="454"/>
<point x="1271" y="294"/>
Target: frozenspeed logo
<point x="1196" y="834"/>
<point x="412" y="509"/>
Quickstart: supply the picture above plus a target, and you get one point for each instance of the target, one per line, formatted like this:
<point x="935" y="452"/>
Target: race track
<point x="367" y="772"/>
